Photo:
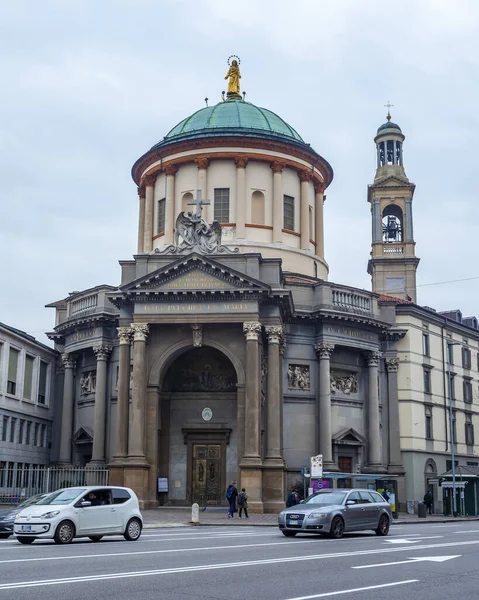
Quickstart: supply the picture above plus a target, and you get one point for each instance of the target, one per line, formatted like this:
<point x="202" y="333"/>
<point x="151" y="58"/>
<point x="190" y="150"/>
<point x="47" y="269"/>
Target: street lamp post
<point x="451" y="427"/>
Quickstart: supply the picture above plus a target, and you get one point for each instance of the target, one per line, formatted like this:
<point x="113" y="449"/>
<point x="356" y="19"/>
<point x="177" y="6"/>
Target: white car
<point x="81" y="512"/>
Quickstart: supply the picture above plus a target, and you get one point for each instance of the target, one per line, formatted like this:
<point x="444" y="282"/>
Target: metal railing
<point x="20" y="482"/>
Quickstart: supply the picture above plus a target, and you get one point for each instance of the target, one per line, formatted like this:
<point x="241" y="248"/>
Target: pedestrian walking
<point x="243" y="503"/>
<point x="293" y="499"/>
<point x="231" y="495"/>
<point x="428" y="501"/>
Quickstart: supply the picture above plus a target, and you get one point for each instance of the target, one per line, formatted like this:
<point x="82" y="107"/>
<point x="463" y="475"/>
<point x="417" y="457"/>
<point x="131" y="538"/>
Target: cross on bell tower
<point x="393" y="261"/>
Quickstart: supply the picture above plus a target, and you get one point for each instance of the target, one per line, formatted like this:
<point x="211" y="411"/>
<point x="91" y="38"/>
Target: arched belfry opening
<point x="392" y="222"/>
<point x="198" y="450"/>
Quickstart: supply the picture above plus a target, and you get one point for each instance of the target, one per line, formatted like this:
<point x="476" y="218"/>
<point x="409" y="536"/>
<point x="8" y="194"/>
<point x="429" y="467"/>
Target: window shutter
<point x="13" y="365"/>
<point x="27" y="383"/>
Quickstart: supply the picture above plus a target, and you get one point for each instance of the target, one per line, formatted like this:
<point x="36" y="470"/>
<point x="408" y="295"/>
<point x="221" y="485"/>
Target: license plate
<point x="26" y="528"/>
<point x="293" y="522"/>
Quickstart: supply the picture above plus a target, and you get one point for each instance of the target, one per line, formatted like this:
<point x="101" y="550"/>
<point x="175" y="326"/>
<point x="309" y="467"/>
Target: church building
<point x="225" y="353"/>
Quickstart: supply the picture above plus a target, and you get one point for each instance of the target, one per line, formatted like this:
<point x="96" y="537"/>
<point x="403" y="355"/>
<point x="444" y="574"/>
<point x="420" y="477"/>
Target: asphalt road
<point x="415" y="561"/>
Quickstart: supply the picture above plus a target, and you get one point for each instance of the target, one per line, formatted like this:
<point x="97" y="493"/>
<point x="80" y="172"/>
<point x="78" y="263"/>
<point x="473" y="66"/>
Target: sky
<point x="88" y="86"/>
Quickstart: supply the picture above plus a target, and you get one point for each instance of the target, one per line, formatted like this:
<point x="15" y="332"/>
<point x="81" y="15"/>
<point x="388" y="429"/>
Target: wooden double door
<point x="206" y="481"/>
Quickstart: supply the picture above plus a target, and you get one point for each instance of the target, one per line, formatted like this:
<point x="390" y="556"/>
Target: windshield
<point x="62" y="496"/>
<point x="32" y="500"/>
<point x="326" y="499"/>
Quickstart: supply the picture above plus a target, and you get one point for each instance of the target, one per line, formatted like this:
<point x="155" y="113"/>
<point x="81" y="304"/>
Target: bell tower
<point x="393" y="261"/>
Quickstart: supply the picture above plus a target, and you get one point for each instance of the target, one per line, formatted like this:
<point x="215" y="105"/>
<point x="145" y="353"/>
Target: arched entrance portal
<point x="198" y="440"/>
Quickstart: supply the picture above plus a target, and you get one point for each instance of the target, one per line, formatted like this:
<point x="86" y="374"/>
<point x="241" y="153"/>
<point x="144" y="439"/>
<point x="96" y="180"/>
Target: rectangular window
<point x="452" y="392"/>
<point x="454" y="429"/>
<point x="425" y="344"/>
<point x="428" y="416"/>
<point x="13" y="426"/>
<point x="469" y="431"/>
<point x="12" y="371"/>
<point x="28" y="379"/>
<point x="427" y="381"/>
<point x="42" y="383"/>
<point x="222" y="205"/>
<point x="466" y="358"/>
<point x="288" y="213"/>
<point x="467" y="391"/>
<point x="450" y="353"/>
<point x="5" y="428"/>
<point x="161" y="215"/>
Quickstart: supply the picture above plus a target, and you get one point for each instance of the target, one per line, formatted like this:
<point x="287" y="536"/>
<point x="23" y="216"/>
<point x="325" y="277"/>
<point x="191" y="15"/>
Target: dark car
<point x="7" y="515"/>
<point x="335" y="511"/>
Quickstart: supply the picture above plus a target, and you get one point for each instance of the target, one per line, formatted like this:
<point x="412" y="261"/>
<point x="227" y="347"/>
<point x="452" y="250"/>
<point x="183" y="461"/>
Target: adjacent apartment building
<point x="27" y="386"/>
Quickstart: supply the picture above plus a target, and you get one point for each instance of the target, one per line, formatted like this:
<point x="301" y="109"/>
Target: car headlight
<point x="50" y="515"/>
<point x="18" y="515"/>
<point x="318" y="515"/>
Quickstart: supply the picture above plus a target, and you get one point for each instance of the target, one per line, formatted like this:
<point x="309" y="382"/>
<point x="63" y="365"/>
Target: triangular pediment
<point x="349" y="437"/>
<point x="392" y="181"/>
<point x="82" y="436"/>
<point x="194" y="274"/>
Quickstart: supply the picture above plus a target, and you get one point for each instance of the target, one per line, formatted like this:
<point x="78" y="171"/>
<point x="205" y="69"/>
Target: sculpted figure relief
<point x="344" y="383"/>
<point x="192" y="230"/>
<point x="298" y="377"/>
<point x="87" y="383"/>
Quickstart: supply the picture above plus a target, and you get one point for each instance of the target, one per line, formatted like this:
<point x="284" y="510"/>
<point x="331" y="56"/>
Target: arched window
<point x="187" y="197"/>
<point x="392" y="224"/>
<point x="257" y="208"/>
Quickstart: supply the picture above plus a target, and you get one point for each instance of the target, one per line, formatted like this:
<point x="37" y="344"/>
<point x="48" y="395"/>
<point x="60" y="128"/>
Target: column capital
<point x="149" y="179"/>
<point x="277" y="167"/>
<point x="140" y="331"/>
<point x="318" y="187"/>
<point x="171" y="170"/>
<point x="324" y="350"/>
<point x="274" y="333"/>
<point x="304" y="176"/>
<point x="241" y="162"/>
<point x="392" y="365"/>
<point x="124" y="335"/>
<point x="102" y="352"/>
<point x="68" y="361"/>
<point x="202" y="163"/>
<point x="142" y="190"/>
<point x="252" y="330"/>
<point x="373" y="358"/>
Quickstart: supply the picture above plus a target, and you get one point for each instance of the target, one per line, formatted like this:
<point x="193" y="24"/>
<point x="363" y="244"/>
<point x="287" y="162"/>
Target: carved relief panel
<point x="88" y="383"/>
<point x="344" y="382"/>
<point x="299" y="377"/>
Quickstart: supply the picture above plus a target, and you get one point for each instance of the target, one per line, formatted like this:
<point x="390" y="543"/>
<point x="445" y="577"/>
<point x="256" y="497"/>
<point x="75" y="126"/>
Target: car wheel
<point x="337" y="528"/>
<point x="23" y="540"/>
<point x="383" y="526"/>
<point x="95" y="538"/>
<point x="133" y="530"/>
<point x="289" y="533"/>
<point x="65" y="533"/>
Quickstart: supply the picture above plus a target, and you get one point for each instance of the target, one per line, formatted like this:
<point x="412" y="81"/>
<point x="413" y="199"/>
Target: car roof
<point x="89" y="488"/>
<point x="331" y="490"/>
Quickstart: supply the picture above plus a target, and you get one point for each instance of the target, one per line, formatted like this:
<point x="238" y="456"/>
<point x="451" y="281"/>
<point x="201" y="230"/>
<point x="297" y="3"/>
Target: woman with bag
<point x="243" y="503"/>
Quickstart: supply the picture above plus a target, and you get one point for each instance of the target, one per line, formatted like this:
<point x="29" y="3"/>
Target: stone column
<point x="98" y="453"/>
<point x="202" y="184"/>
<point x="277" y="169"/>
<point x="305" y="178"/>
<point x="373" y="412"/>
<point x="395" y="460"/>
<point x="274" y="404"/>
<point x="319" y="224"/>
<point x="251" y="464"/>
<point x="252" y="331"/>
<point x="241" y="163"/>
<point x="149" y="182"/>
<point x="123" y="402"/>
<point x="136" y="441"/>
<point x="170" y="215"/>
<point x="323" y="405"/>
<point x="141" y="218"/>
<point x="67" y="410"/>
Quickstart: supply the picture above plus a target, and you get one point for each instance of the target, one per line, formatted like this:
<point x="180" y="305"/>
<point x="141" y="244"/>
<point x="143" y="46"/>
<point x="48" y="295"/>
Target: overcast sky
<point x="88" y="86"/>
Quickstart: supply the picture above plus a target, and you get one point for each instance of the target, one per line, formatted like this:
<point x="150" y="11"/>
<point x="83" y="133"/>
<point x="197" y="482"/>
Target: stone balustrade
<point x="351" y="300"/>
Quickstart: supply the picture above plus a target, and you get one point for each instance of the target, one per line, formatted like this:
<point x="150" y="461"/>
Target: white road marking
<point x="363" y="589"/>
<point x="211" y="567"/>
<point x="467" y="531"/>
<point x="415" y="541"/>
<point x="437" y="559"/>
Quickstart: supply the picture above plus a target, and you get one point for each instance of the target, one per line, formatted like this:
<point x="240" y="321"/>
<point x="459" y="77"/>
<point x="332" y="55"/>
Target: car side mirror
<point x="85" y="503"/>
<point x="350" y="502"/>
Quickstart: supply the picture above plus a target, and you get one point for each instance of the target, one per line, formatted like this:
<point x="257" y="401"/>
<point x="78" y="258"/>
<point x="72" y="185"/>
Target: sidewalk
<point x="181" y="517"/>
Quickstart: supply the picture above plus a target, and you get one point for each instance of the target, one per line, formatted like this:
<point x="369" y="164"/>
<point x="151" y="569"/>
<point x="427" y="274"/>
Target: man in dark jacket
<point x="428" y="501"/>
<point x="231" y="495"/>
<point x="293" y="499"/>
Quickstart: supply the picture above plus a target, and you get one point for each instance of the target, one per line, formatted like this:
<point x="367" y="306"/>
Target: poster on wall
<point x="162" y="484"/>
<point x="317" y="466"/>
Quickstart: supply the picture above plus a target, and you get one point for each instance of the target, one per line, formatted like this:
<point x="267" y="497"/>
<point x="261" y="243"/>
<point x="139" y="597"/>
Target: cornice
<point x="437" y="319"/>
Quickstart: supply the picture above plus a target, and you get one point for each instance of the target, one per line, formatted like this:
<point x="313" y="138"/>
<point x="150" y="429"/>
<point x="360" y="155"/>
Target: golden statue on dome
<point x="234" y="77"/>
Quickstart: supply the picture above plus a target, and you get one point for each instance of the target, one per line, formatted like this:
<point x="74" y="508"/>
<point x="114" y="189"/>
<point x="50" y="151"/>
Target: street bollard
<point x="195" y="514"/>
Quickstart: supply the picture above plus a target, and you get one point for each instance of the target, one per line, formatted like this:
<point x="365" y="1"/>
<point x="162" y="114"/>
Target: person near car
<point x="92" y="497"/>
<point x="231" y="495"/>
<point x="243" y="503"/>
<point x="428" y="501"/>
<point x="292" y="499"/>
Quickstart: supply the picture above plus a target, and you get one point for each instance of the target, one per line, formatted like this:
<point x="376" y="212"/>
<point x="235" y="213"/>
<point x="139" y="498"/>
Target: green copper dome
<point x="233" y="118"/>
<point x="389" y="125"/>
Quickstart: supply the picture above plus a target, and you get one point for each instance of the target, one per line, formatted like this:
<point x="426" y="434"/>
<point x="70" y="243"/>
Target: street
<point x="423" y="561"/>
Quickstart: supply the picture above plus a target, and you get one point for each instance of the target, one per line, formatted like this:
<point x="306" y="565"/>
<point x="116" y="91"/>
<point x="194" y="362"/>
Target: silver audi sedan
<point x="335" y="511"/>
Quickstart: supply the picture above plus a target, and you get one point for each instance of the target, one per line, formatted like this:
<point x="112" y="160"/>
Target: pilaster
<point x="277" y="217"/>
<point x="65" y="456"/>
<point x="323" y="406"/>
<point x="102" y="353"/>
